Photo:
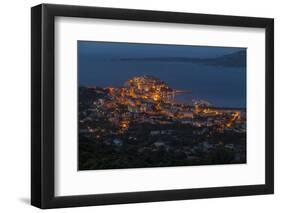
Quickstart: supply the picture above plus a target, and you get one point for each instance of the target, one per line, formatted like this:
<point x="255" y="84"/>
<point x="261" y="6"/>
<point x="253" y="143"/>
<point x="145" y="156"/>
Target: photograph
<point x="160" y="105"/>
<point x="139" y="105"/>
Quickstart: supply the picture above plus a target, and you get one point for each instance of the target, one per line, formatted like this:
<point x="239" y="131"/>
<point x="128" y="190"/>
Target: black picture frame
<point x="43" y="111"/>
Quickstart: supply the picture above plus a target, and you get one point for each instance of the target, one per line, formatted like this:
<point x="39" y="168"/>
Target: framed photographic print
<point x="139" y="106"/>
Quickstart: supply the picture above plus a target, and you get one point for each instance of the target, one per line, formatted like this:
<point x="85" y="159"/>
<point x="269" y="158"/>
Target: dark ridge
<point x="236" y="59"/>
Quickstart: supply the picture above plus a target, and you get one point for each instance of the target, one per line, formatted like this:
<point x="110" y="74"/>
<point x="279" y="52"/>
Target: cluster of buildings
<point x="115" y="116"/>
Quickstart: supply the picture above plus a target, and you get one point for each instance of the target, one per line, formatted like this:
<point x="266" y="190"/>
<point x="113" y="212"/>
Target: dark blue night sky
<point x="216" y="74"/>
